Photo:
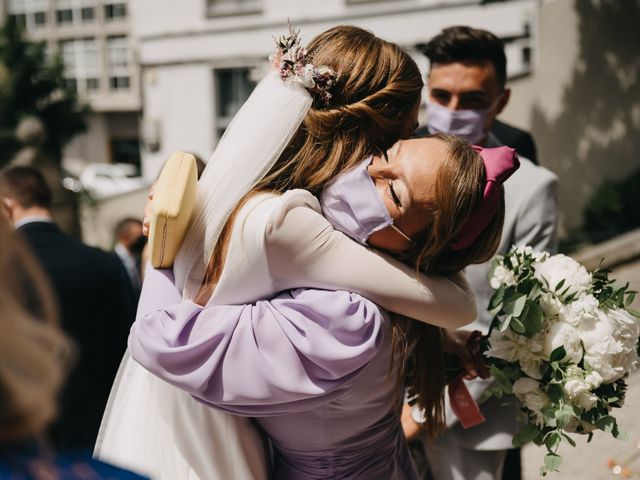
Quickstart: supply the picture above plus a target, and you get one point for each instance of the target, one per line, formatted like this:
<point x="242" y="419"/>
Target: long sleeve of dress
<point x="304" y="250"/>
<point x="292" y="353"/>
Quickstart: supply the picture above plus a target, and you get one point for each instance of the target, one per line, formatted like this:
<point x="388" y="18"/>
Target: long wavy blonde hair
<point x="34" y="353"/>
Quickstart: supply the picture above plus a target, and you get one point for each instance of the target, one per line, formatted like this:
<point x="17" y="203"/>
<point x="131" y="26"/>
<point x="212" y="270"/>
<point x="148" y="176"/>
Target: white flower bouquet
<point x="563" y="340"/>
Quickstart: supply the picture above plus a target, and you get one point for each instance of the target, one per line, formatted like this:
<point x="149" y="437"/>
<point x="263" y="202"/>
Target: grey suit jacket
<point x="531" y="213"/>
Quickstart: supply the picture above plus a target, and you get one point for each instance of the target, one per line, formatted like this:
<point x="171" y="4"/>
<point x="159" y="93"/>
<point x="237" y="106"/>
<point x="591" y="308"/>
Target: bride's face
<point x="405" y="178"/>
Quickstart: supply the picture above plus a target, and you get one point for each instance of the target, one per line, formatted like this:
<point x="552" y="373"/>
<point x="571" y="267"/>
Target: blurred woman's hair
<point x="34" y="353"/>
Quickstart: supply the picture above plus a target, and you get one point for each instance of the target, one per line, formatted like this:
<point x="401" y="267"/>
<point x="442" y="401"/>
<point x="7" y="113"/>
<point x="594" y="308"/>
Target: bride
<point x="155" y="415"/>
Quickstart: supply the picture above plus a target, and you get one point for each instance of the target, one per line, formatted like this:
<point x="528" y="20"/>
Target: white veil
<point x="150" y="426"/>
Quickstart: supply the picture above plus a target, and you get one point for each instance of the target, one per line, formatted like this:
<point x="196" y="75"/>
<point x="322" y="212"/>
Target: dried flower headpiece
<point x="293" y="63"/>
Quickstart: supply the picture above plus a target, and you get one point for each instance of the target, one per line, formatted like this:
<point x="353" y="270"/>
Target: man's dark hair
<point x="25" y="185"/>
<point x="125" y="223"/>
<point x="455" y="44"/>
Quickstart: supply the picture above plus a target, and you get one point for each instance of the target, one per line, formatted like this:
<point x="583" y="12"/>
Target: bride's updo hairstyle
<point x="369" y="110"/>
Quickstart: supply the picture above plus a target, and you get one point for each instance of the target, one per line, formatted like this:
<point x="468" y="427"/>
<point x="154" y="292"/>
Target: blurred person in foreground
<point x="34" y="358"/>
<point x="95" y="300"/>
<point x="129" y="245"/>
<point x="467" y="90"/>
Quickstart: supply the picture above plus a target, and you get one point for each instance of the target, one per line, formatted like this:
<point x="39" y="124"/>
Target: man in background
<point x="94" y="297"/>
<point x="129" y="245"/>
<point x="467" y="90"/>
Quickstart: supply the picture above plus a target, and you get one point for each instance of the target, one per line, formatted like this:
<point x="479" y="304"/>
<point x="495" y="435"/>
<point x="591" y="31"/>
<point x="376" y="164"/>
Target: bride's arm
<point x="304" y="250"/>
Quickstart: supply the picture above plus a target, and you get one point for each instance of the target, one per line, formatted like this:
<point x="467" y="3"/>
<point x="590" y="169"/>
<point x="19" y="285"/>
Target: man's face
<point x="467" y="85"/>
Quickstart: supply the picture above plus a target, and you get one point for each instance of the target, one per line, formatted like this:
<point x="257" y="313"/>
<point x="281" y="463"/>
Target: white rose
<point x="579" y="392"/>
<point x="530" y="395"/>
<point x="583" y="309"/>
<point x="517" y="348"/>
<point x="602" y="364"/>
<point x="564" y="335"/>
<point x="560" y="267"/>
<point x="594" y="379"/>
<point x="502" y="276"/>
<point x="550" y="305"/>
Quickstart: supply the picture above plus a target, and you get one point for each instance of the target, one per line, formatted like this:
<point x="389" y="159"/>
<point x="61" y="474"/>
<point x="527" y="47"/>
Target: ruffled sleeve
<point x="292" y="353"/>
<point x="304" y="250"/>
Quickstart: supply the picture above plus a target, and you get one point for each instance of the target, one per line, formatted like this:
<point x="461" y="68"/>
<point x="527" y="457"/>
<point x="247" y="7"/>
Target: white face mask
<point x="463" y="123"/>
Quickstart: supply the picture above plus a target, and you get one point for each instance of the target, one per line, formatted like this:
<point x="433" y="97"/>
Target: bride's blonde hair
<point x="34" y="353"/>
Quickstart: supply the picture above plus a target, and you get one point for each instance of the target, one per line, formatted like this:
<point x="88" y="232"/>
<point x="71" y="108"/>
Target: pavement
<point x="605" y="458"/>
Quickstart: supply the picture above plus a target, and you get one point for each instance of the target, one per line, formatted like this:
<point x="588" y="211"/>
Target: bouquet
<point x="563" y="340"/>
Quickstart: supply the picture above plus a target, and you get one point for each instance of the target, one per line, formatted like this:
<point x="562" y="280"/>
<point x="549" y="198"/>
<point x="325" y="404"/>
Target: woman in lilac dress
<point x="317" y="368"/>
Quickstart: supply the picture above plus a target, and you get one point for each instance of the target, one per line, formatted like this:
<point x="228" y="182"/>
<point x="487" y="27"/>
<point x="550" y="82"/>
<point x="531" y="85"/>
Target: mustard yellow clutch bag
<point x="173" y="201"/>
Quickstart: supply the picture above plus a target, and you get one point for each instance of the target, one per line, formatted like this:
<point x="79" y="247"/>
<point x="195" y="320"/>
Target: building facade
<point x="200" y="59"/>
<point x="93" y="38"/>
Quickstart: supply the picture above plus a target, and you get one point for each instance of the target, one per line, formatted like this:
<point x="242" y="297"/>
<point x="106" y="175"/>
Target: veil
<point x="150" y="426"/>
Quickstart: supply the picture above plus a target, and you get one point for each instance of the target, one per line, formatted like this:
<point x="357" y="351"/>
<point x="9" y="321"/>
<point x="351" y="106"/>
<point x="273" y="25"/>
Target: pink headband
<point x="499" y="163"/>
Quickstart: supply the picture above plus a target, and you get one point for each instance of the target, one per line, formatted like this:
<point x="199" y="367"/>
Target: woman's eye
<point x="394" y="197"/>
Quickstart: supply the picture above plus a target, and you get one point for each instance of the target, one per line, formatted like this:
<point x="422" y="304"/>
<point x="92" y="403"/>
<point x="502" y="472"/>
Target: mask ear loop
<point x="404" y="235"/>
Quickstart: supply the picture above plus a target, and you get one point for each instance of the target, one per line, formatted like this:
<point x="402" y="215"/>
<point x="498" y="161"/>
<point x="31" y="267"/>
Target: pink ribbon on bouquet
<point x="463" y="404"/>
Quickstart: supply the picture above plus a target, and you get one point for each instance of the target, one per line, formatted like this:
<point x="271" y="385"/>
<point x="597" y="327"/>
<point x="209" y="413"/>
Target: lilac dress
<point x="312" y="366"/>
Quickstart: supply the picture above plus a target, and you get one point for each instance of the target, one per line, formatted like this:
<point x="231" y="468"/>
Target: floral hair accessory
<point x="293" y="63"/>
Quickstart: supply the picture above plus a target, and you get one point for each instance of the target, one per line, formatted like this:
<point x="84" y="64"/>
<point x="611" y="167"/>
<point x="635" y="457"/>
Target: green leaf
<point x="497" y="298"/>
<point x="527" y="434"/>
<point x="515" y="304"/>
<point x="552" y="461"/>
<point x="620" y="434"/>
<point x="569" y="439"/>
<point x="635" y="313"/>
<point x="501" y="379"/>
<point x="553" y="441"/>
<point x="606" y="423"/>
<point x="505" y="323"/>
<point x="517" y="326"/>
<point x="558" y="354"/>
<point x="559" y="285"/>
<point x="590" y="437"/>
<point x="534" y="320"/>
<point x="555" y="392"/>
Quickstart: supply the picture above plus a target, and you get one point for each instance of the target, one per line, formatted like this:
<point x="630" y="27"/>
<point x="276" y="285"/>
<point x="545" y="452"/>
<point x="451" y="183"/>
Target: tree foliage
<point x="32" y="84"/>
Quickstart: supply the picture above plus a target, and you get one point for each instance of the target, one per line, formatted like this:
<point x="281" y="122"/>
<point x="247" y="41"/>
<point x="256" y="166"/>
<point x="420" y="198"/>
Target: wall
<point x="582" y="102"/>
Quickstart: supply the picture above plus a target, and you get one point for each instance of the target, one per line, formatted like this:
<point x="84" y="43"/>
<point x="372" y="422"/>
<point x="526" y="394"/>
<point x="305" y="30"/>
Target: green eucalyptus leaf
<point x="552" y="461"/>
<point x="515" y="305"/>
<point x="517" y="326"/>
<point x="606" y="423"/>
<point x="552" y="441"/>
<point x="569" y="439"/>
<point x="555" y="392"/>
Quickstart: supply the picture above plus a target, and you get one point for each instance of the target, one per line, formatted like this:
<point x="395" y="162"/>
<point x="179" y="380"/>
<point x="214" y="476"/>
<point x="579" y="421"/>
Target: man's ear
<point x="8" y="204"/>
<point x="506" y="95"/>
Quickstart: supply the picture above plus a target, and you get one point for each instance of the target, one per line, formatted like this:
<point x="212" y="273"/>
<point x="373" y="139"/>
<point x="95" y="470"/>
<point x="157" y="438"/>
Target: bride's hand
<point x="410" y="427"/>
<point x="148" y="210"/>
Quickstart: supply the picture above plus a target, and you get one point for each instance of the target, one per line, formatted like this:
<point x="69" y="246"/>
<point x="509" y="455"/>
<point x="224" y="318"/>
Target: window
<point x="115" y="11"/>
<point x="118" y="62"/>
<point x="125" y="151"/>
<point x="64" y="16"/>
<point x="87" y="14"/>
<point x="29" y="14"/>
<point x="233" y="7"/>
<point x="82" y="64"/>
<point x="233" y="87"/>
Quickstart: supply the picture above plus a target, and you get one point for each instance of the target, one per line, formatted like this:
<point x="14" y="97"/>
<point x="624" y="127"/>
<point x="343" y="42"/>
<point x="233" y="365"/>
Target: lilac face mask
<point x="463" y="123"/>
<point x="353" y="205"/>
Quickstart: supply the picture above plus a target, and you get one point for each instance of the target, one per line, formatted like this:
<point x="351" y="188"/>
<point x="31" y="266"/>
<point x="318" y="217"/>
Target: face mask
<point x="353" y="205"/>
<point x="463" y="123"/>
